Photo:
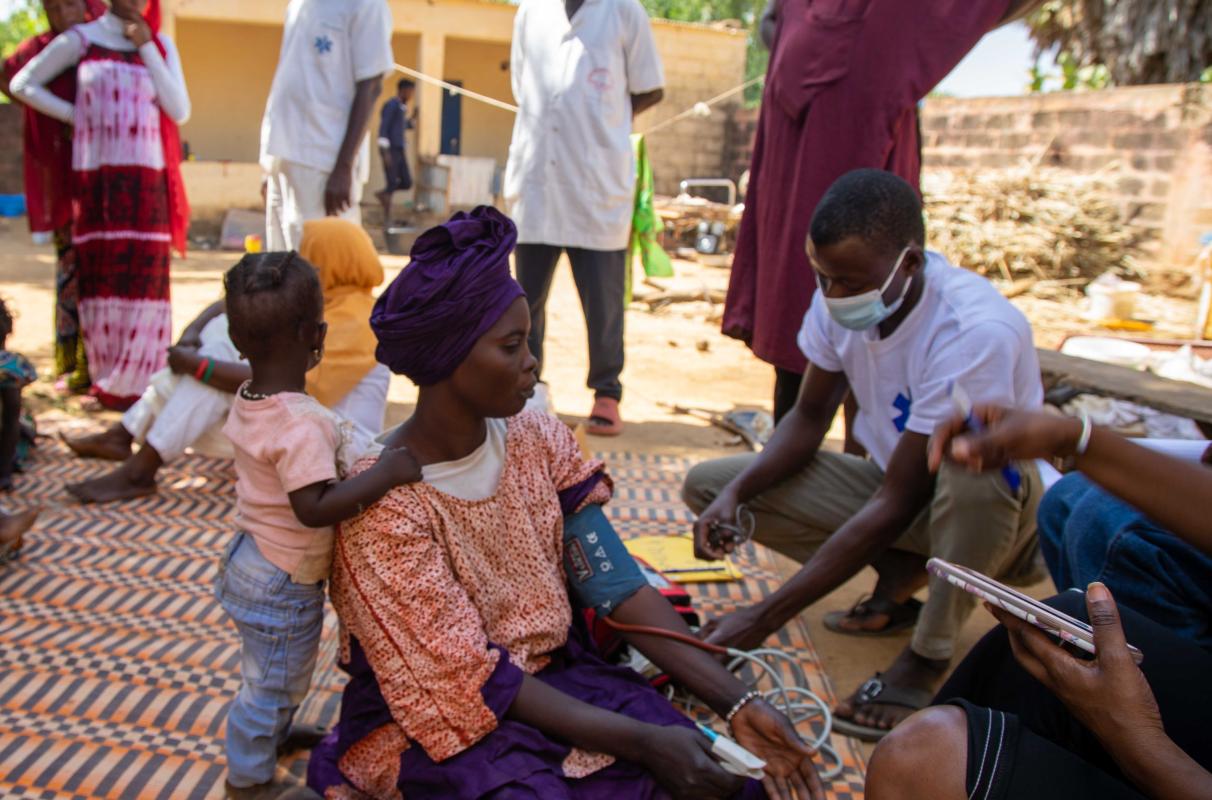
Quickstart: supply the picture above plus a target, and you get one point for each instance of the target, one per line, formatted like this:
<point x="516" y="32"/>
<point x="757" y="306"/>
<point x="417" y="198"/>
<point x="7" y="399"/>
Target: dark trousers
<point x="599" y="276"/>
<point x="786" y="391"/>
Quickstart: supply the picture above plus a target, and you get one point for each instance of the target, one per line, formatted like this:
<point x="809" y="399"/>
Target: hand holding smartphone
<point x="1061" y="625"/>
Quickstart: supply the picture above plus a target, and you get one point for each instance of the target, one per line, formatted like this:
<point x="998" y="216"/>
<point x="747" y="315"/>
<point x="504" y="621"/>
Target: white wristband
<point x="1083" y="441"/>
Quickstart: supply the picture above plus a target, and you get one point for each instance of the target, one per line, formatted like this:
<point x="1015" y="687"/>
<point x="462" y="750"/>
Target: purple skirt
<point x="515" y="761"/>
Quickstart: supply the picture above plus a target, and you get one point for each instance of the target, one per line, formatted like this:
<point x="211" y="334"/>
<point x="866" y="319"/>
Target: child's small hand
<point x="400" y="464"/>
<point x="182" y="360"/>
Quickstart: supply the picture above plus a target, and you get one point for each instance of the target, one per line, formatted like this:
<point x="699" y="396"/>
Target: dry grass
<point x="1030" y="222"/>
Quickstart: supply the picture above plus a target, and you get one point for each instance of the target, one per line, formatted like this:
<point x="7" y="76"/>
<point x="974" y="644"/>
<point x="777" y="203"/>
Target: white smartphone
<point x="1046" y="618"/>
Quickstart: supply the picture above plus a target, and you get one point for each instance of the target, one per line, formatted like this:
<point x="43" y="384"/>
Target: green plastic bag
<point x="646" y="226"/>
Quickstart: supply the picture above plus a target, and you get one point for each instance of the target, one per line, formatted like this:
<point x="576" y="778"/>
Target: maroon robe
<point x="47" y="146"/>
<point x="841" y="93"/>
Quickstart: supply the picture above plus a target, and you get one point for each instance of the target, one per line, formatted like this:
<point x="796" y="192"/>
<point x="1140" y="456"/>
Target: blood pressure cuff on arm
<point x="601" y="573"/>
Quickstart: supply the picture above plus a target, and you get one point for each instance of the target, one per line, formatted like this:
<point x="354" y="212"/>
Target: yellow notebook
<point x="674" y="556"/>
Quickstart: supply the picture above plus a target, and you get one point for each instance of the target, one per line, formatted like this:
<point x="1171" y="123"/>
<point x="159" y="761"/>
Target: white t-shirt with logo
<point x="327" y="47"/>
<point x="962" y="331"/>
<point x="571" y="174"/>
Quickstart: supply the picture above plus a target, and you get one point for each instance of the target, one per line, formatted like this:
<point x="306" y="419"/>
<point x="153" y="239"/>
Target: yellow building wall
<point x="228" y="69"/>
<point x="482" y="67"/>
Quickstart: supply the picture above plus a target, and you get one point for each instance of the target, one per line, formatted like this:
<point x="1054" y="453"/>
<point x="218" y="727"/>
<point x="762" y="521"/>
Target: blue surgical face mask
<point x="861" y="312"/>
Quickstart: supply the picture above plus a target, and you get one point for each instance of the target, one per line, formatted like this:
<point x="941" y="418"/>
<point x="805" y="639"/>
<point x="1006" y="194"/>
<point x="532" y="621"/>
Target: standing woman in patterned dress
<point x="47" y="155"/>
<point x="130" y="206"/>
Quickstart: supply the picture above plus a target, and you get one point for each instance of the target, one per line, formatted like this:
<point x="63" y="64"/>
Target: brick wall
<point x="700" y="62"/>
<point x="10" y="149"/>
<point x="1157" y="140"/>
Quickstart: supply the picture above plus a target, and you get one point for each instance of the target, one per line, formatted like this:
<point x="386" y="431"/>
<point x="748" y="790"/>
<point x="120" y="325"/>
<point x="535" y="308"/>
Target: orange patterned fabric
<point x="374" y="763"/>
<point x="425" y="581"/>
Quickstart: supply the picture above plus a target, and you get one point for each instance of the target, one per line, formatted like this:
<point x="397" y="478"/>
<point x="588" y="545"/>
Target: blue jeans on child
<point x="279" y="624"/>
<point x="1087" y="535"/>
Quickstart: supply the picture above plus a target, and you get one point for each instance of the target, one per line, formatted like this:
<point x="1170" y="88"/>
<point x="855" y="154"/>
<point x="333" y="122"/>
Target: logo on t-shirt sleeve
<point x="903" y="405"/>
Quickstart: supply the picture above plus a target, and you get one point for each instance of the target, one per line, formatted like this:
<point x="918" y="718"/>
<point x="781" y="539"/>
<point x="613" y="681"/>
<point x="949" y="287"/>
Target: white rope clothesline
<point x="453" y="89"/>
<point x="694" y="110"/>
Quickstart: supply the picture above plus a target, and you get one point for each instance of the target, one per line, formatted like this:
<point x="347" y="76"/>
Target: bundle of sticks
<point x="1030" y="222"/>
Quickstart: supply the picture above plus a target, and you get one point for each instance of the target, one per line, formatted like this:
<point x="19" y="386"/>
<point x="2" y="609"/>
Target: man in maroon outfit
<point x="841" y="93"/>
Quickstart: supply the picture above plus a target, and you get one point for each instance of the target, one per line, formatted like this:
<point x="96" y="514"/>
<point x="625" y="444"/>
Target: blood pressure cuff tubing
<point x="601" y="573"/>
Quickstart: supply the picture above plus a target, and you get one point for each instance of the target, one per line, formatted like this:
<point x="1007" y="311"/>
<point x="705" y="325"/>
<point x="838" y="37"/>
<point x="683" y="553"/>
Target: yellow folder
<point x="674" y="556"/>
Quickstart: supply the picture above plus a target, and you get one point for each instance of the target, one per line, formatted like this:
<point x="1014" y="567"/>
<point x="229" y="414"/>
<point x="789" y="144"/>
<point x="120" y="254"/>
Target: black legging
<point x="1176" y="668"/>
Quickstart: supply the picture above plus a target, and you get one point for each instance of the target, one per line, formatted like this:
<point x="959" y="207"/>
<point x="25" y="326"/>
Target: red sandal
<point x="604" y="420"/>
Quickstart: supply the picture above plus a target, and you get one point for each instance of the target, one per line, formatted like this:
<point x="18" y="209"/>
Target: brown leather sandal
<point x="901" y="616"/>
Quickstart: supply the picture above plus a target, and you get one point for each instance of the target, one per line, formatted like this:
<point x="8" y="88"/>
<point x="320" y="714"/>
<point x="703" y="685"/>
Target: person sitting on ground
<point x="1087" y="534"/>
<point x="17" y="432"/>
<point x="184" y="407"/>
<point x="899" y="327"/>
<point x="469" y="677"/>
<point x="187" y="404"/>
<point x="292" y="461"/>
<point x="16" y="435"/>
<point x="1031" y="721"/>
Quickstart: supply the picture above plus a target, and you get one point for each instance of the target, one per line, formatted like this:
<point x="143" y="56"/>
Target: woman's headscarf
<point x="456" y="287"/>
<point x="349" y="269"/>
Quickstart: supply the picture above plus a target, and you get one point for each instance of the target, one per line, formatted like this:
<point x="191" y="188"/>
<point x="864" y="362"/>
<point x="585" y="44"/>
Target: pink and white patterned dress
<point x="122" y="229"/>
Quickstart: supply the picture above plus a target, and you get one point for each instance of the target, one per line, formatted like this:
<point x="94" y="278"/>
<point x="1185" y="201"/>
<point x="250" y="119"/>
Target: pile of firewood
<point x="1030" y="222"/>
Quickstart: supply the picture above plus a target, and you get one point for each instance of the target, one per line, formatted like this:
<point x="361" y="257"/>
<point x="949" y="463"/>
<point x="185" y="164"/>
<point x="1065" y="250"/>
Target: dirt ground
<point x="676" y="356"/>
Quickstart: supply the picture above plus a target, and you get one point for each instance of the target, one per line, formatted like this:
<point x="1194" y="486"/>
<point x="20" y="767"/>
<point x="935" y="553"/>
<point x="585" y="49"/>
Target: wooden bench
<point x="1172" y="397"/>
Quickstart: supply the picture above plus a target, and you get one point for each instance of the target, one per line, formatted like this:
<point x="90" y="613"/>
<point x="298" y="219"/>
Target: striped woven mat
<point x="117" y="663"/>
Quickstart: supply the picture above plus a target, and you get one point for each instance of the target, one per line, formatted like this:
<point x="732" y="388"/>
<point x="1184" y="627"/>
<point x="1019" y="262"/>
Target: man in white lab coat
<point x="581" y="71"/>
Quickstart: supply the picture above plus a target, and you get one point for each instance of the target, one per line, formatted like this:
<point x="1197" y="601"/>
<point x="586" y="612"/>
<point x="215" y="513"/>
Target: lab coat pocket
<point x="614" y="179"/>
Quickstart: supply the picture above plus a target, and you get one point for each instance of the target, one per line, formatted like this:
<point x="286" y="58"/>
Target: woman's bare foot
<point x="113" y="444"/>
<point x="124" y="483"/>
<point x="12" y="529"/>
<point x="911" y="676"/>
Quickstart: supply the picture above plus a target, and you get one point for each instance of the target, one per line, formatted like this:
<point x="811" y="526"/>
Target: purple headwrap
<point x="456" y="287"/>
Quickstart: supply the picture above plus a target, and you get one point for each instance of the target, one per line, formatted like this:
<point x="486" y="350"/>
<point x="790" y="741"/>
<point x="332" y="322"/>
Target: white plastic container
<point x="1112" y="298"/>
<point x="1108" y="351"/>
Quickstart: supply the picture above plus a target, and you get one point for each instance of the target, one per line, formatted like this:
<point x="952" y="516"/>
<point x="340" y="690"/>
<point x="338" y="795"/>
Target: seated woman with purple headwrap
<point x="468" y="675"/>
